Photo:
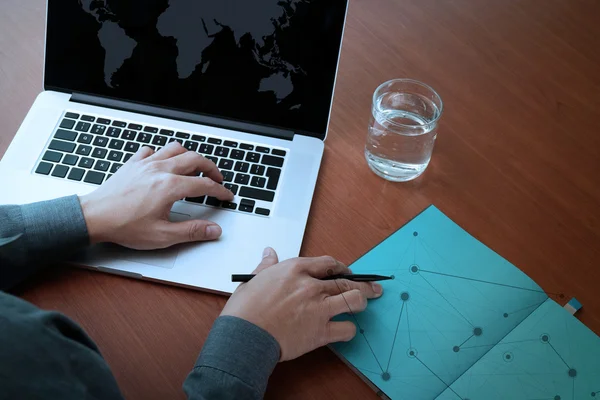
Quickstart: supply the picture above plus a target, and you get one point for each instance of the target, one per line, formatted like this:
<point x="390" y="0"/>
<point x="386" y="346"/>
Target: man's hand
<point x="132" y="208"/>
<point x="290" y="302"/>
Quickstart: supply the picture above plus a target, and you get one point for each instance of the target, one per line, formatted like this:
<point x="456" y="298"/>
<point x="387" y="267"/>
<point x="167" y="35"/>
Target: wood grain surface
<point x="516" y="163"/>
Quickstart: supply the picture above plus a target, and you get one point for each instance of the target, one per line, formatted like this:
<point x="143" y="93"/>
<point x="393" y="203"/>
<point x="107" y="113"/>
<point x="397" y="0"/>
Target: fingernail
<point x="213" y="231"/>
<point x="377" y="288"/>
<point x="266" y="252"/>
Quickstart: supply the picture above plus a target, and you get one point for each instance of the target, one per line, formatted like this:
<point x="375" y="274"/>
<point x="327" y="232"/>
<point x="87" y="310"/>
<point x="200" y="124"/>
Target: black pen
<point x="350" y="277"/>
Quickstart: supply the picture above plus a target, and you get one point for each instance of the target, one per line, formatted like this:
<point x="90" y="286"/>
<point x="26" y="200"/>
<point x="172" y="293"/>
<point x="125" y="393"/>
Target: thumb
<point x="192" y="231"/>
<point x="269" y="259"/>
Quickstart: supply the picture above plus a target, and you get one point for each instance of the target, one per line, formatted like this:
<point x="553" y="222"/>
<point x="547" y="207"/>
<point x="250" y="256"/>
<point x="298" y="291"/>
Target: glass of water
<point x="402" y="131"/>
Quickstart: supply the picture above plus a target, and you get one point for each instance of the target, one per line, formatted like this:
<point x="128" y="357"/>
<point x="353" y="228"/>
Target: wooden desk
<point x="516" y="164"/>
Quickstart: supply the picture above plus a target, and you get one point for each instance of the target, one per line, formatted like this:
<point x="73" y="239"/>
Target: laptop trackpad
<point x="164" y="258"/>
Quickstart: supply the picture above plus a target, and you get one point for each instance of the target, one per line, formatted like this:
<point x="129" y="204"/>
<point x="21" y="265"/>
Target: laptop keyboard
<point x="91" y="149"/>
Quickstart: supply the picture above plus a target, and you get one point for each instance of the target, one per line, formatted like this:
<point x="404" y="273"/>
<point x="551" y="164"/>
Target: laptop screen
<point x="266" y="62"/>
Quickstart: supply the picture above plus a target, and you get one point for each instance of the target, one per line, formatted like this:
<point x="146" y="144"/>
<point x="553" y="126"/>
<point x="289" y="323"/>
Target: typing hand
<point x="132" y="208"/>
<point x="289" y="301"/>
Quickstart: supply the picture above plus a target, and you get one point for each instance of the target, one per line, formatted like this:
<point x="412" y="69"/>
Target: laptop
<point x="247" y="84"/>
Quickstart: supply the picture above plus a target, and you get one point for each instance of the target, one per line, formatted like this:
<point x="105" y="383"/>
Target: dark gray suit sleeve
<point x="235" y="363"/>
<point x="34" y="234"/>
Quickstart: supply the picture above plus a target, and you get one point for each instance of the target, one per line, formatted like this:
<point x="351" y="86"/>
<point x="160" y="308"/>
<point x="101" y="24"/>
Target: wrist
<point x="95" y="220"/>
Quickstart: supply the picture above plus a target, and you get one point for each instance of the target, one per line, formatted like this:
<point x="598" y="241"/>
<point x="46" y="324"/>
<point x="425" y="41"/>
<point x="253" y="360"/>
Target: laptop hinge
<point x="182" y="116"/>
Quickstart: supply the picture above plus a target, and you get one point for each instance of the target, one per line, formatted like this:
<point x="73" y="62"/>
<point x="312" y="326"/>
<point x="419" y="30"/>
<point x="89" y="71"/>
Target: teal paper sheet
<point x="460" y="322"/>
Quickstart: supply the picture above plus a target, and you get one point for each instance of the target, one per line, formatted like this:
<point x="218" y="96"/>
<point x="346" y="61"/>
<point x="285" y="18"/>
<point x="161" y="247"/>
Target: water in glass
<point x="401" y="135"/>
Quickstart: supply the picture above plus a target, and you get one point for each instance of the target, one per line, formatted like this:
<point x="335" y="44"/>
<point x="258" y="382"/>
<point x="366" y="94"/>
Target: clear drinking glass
<point x="402" y="131"/>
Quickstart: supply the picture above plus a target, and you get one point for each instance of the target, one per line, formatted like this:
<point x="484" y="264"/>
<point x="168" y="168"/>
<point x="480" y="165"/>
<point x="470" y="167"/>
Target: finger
<point x="143" y="152"/>
<point x="342" y="331"/>
<point x="270" y="258"/>
<point x="351" y="302"/>
<point x="194" y="186"/>
<point x="321" y="267"/>
<point x="190" y="231"/>
<point x="371" y="290"/>
<point x="171" y="150"/>
<point x="189" y="163"/>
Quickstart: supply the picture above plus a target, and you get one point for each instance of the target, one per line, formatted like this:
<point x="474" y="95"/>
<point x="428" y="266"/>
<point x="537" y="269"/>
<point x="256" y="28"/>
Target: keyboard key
<point x="263" y="211"/>
<point x="76" y="174"/>
<point x="99" y="153"/>
<point x="258" y="194"/>
<point x="127" y="157"/>
<point x="144" y="137"/>
<point x="159" y="140"/>
<point x="108" y="176"/>
<point x="182" y="135"/>
<point x="253" y="157"/>
<point x="151" y="147"/>
<point x="257" y="181"/>
<point x="229" y="143"/>
<point x="229" y="205"/>
<point x="83" y="126"/>
<point x="245" y="146"/>
<point x="132" y="147"/>
<point x="135" y="127"/>
<point x="213" y="201"/>
<point x="222" y="152"/>
<point x="113" y="132"/>
<point x="115" y="167"/>
<point x="120" y="124"/>
<point x="99" y="129"/>
<point x="225" y="164"/>
<point x="273" y="174"/>
<point x="66" y="147"/>
<point x="103" y="121"/>
<point x="191" y="146"/>
<point x="247" y="205"/>
<point x="227" y="175"/>
<point x="116" y="144"/>
<point x="233" y="188"/>
<point x="272" y="161"/>
<point x="242" y="179"/>
<point x="115" y="156"/>
<point x="67" y="124"/>
<point x="70" y="159"/>
<point x="85" y="138"/>
<point x="65" y="135"/>
<point x="262" y="149"/>
<point x="176" y="140"/>
<point x="257" y="169"/>
<point x="206" y="148"/>
<point x="88" y="118"/>
<point x="72" y="115"/>
<point x="214" y="140"/>
<point x="150" y="129"/>
<point x="241" y="166"/>
<point x="277" y="152"/>
<point x="60" y="171"/>
<point x="100" y="141"/>
<point x="85" y="162"/>
<point x="166" y="132"/>
<point x="213" y="159"/>
<point x="94" y="177"/>
<point x="129" y="134"/>
<point x="237" y="154"/>
<point x="102" y="165"/>
<point x="43" y="168"/>
<point x="83" y="150"/>
<point x="199" y="138"/>
<point x="52" y="156"/>
<point x="197" y="200"/>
